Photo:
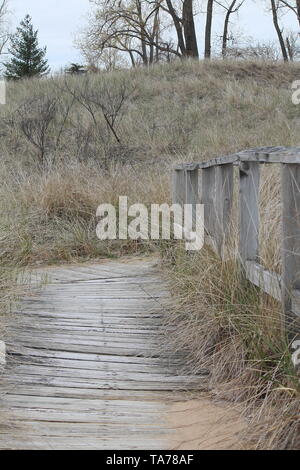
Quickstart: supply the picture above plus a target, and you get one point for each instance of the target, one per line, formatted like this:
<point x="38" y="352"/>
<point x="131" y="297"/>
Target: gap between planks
<point x="86" y="367"/>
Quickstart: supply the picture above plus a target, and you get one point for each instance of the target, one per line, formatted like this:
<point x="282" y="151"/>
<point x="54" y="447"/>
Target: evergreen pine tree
<point x="28" y="60"/>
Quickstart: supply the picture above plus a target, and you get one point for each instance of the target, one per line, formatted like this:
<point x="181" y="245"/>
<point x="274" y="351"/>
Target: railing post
<point x="179" y="186"/>
<point x="290" y="190"/>
<point x="208" y="185"/>
<point x="223" y="206"/>
<point x="249" y="211"/>
<point x="192" y="191"/>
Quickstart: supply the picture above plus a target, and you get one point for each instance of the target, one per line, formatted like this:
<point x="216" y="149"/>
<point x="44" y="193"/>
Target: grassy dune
<point x="71" y="144"/>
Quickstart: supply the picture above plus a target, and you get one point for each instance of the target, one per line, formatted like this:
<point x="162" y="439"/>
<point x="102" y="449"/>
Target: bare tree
<point x="177" y="21"/>
<point x="98" y="58"/>
<point x="109" y="102"/>
<point x="184" y="24"/>
<point x="208" y="28"/>
<point x="191" y="47"/>
<point x="230" y="8"/>
<point x="251" y="49"/>
<point x="34" y="118"/>
<point x="293" y="6"/>
<point x="279" y="31"/>
<point x="129" y="26"/>
<point x="4" y="30"/>
<point x="138" y="28"/>
<point x="293" y="45"/>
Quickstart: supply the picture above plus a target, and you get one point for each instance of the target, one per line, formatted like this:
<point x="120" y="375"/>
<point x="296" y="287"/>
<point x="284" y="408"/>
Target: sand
<point x="205" y="424"/>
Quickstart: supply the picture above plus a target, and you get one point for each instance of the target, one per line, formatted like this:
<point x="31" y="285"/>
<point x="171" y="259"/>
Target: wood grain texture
<point x="217" y="194"/>
<point x="86" y="364"/>
<point x="268" y="281"/>
<point x="208" y="197"/>
<point x="223" y="206"/>
<point x="249" y="211"/>
<point x="259" y="154"/>
<point x="290" y="195"/>
<point x="179" y="187"/>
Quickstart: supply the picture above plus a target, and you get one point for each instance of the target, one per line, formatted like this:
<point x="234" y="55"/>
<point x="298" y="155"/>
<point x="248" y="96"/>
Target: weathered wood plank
<point x="86" y="367"/>
<point x="223" y="206"/>
<point x="296" y="302"/>
<point x="290" y="155"/>
<point x="290" y="193"/>
<point x="249" y="211"/>
<point x="22" y="351"/>
<point x="27" y="442"/>
<point x="98" y="394"/>
<point x="208" y="192"/>
<point x="103" y="374"/>
<point x="179" y="187"/>
<point x="217" y="182"/>
<point x="269" y="282"/>
<point x="193" y="383"/>
<point x="192" y="194"/>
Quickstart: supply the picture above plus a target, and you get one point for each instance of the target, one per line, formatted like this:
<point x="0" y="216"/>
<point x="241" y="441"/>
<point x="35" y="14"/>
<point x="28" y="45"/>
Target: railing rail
<point x="216" y="193"/>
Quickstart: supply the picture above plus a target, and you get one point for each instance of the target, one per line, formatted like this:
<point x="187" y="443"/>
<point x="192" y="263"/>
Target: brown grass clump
<point x="51" y="217"/>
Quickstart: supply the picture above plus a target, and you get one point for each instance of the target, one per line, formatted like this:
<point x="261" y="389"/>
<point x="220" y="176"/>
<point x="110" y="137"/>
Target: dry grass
<point x="176" y="112"/>
<point x="54" y="176"/>
<point x="228" y="326"/>
<point x="52" y="217"/>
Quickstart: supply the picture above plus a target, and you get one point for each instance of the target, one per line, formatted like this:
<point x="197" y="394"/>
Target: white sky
<point x="59" y="20"/>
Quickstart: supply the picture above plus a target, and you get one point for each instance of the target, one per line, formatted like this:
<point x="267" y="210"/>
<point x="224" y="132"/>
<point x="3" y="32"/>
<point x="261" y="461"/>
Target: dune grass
<point x="227" y="325"/>
<point x="70" y="144"/>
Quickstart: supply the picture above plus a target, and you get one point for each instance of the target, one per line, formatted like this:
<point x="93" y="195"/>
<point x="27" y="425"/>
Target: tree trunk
<point x="189" y="29"/>
<point x="279" y="32"/>
<point x="290" y="49"/>
<point x="178" y="27"/>
<point x="298" y="10"/>
<point x="142" y="33"/>
<point x="209" y="15"/>
<point x="157" y="35"/>
<point x="154" y="39"/>
<point x="132" y="58"/>
<point x="225" y="31"/>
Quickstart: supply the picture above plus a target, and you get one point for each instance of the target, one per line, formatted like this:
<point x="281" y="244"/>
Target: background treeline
<point x="148" y="31"/>
<point x="122" y="33"/>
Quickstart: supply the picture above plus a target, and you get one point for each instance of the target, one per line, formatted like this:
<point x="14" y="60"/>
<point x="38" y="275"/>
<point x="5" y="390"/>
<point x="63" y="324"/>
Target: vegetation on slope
<point x="70" y="144"/>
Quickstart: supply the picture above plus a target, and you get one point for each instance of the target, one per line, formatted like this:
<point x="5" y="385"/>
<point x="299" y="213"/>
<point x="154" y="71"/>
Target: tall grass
<point x="68" y="145"/>
<point x="227" y="325"/>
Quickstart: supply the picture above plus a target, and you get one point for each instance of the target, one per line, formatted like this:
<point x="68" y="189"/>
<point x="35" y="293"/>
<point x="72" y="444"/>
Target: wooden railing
<point x="216" y="193"/>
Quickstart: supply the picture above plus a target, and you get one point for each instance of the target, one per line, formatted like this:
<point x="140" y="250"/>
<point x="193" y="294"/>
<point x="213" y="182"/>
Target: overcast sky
<point x="59" y="20"/>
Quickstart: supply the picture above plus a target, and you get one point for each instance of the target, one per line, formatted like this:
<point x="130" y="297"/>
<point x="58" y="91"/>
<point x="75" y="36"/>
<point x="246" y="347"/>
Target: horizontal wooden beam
<point x="268" y="281"/>
<point x="202" y="165"/>
<point x="296" y="302"/>
<point x="216" y="197"/>
<point x="259" y="154"/>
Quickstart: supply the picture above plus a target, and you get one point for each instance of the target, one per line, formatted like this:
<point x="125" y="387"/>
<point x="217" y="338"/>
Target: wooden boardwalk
<point x="86" y="369"/>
